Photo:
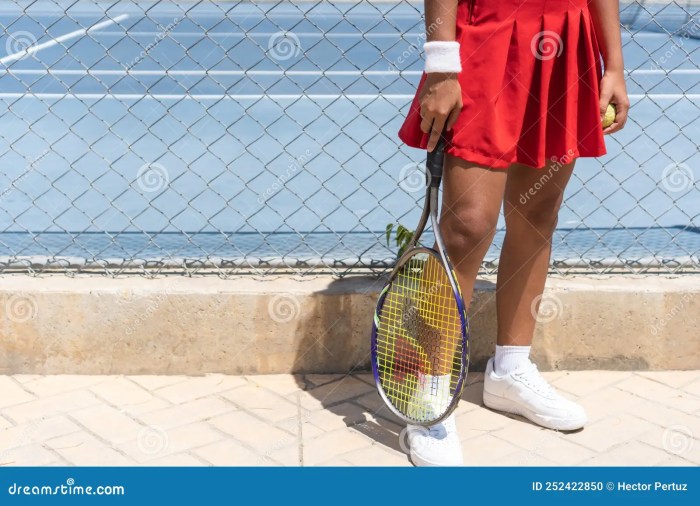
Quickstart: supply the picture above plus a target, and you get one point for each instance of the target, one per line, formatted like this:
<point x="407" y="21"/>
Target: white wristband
<point x="442" y="56"/>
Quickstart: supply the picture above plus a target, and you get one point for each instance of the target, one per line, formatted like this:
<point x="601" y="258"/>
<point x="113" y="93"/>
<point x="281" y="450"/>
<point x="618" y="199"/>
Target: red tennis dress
<point x="530" y="84"/>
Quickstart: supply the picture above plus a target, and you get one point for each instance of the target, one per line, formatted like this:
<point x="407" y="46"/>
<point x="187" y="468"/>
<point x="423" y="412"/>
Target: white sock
<point x="434" y="391"/>
<point x="509" y="359"/>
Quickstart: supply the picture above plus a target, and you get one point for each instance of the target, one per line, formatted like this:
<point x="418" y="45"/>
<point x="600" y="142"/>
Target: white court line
<point x="330" y="73"/>
<point x="213" y="72"/>
<point x="259" y="96"/>
<point x="241" y="34"/>
<point x="53" y="42"/>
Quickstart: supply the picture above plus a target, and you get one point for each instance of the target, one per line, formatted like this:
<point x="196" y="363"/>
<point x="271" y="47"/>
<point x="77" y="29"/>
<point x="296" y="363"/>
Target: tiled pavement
<point x="645" y="418"/>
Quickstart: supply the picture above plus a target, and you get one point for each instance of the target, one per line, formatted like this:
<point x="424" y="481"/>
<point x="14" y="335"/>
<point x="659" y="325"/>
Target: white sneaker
<point x="525" y="392"/>
<point x="437" y="445"/>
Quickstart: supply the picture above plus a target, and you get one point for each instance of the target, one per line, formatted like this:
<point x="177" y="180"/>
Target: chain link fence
<point x="239" y="136"/>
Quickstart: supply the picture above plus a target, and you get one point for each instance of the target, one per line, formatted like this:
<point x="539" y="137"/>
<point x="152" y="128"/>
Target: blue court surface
<point x="266" y="132"/>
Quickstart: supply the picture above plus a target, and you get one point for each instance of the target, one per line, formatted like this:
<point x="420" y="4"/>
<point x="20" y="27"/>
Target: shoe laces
<point x="438" y="432"/>
<point x="531" y="376"/>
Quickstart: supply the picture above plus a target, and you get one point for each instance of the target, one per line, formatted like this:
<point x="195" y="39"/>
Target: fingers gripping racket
<point x="420" y="335"/>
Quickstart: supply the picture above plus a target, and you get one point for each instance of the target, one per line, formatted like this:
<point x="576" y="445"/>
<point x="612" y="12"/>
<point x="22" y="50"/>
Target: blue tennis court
<point x="265" y="134"/>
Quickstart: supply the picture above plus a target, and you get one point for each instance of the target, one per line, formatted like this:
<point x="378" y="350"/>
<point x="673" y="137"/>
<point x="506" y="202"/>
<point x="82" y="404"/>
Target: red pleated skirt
<point x="530" y="84"/>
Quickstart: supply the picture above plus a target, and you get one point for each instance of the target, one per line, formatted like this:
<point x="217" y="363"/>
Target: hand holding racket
<point x="420" y="335"/>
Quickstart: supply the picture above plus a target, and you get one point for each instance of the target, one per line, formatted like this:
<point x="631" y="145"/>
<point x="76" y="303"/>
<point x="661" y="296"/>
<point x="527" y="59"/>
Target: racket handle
<point x="436" y="160"/>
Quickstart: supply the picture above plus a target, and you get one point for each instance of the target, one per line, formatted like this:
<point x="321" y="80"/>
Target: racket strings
<point x="419" y="339"/>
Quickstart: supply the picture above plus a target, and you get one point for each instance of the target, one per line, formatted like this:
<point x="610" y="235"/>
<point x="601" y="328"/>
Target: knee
<point x="539" y="216"/>
<point x="468" y="232"/>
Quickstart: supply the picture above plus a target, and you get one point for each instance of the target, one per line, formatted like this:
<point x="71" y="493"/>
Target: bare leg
<point x="471" y="203"/>
<point x="531" y="205"/>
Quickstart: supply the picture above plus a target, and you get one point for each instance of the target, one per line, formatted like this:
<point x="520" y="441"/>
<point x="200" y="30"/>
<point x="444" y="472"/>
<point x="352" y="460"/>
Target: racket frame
<point x="434" y="170"/>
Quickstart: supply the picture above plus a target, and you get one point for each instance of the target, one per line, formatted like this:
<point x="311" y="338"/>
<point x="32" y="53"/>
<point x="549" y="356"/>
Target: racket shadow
<point x="333" y="370"/>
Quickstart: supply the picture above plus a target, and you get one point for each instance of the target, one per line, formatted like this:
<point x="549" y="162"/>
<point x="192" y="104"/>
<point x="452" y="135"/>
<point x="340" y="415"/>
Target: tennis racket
<point x="420" y="334"/>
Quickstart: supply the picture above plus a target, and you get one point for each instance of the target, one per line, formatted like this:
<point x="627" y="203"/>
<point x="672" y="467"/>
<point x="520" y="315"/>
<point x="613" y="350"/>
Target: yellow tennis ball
<point x="610" y="114"/>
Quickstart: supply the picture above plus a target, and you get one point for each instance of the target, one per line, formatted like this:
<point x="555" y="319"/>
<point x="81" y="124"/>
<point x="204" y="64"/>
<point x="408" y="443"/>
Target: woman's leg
<point x="530" y="206"/>
<point x="512" y="383"/>
<point x="471" y="203"/>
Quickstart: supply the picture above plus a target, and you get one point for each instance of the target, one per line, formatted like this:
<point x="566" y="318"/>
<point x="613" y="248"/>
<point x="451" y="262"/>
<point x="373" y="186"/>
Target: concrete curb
<point x="177" y="325"/>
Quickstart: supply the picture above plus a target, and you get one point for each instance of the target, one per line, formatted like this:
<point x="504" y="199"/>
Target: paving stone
<point x="332" y="444"/>
<point x="674" y="379"/>
<point x="483" y="419"/>
<point x="607" y="433"/>
<point x="585" y="382"/>
<point x="693" y="388"/>
<point x="526" y="435"/>
<point x="563" y="452"/>
<point x="315" y="380"/>
<point x="232" y="453"/>
<point x="375" y="456"/>
<point x="45" y="386"/>
<point x="345" y="388"/>
<point x="84" y="449"/>
<point x="153" y="442"/>
<point x="30" y="455"/>
<point x="645" y="418"/>
<point x="51" y="406"/>
<point x="632" y="453"/>
<point x="675" y="441"/>
<point x="375" y="405"/>
<point x="36" y="431"/>
<point x="366" y="377"/>
<point x="176" y="460"/>
<point x="156" y="382"/>
<point x="281" y="384"/>
<point x="255" y="433"/>
<point x="657" y="392"/>
<point x="121" y="392"/>
<point x="287" y="456"/>
<point x="108" y="423"/>
<point x="259" y="401"/>
<point x="194" y="388"/>
<point x="668" y="418"/>
<point x="336" y="462"/>
<point x="12" y="393"/>
<point x="182" y="414"/>
<point x="486" y="450"/>
<point x="609" y="403"/>
<point x="524" y="458"/>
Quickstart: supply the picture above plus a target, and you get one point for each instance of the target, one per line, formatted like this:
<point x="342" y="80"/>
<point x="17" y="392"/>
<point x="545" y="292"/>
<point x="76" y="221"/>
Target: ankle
<point x="509" y="359"/>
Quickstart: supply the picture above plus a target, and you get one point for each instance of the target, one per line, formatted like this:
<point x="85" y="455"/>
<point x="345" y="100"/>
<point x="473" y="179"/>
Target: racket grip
<point x="435" y="162"/>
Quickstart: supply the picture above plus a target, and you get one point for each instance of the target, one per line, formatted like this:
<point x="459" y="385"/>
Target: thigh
<point x="472" y="192"/>
<point x="536" y="192"/>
